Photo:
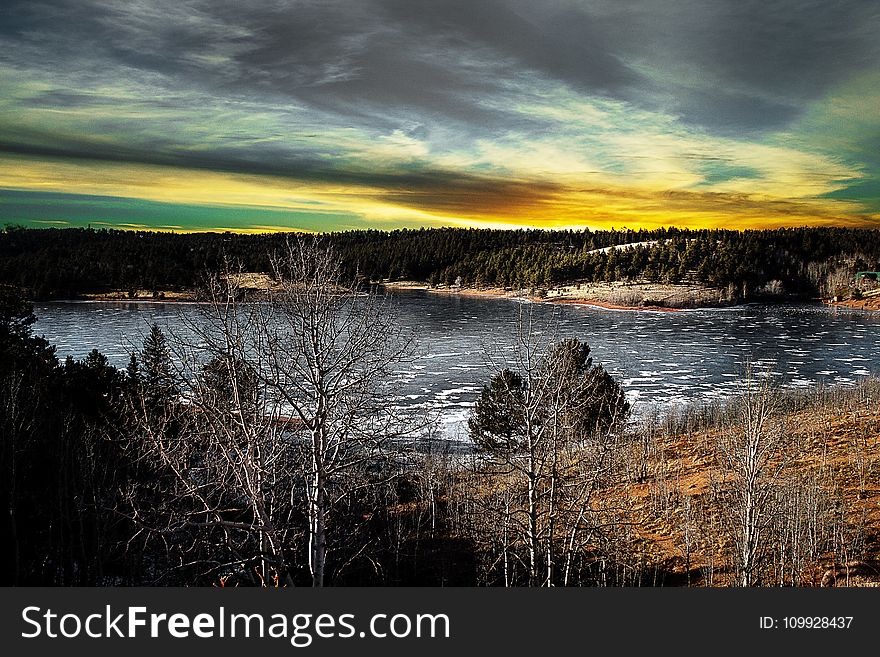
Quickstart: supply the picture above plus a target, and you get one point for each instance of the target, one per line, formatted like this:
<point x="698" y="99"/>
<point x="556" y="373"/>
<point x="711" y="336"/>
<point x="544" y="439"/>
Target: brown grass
<point x="834" y="438"/>
<point x="842" y="448"/>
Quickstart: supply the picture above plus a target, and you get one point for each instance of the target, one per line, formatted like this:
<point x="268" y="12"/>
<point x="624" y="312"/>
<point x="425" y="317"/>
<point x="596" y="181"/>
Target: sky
<point x="322" y="115"/>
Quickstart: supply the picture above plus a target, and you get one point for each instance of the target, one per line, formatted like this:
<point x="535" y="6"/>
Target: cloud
<point x="447" y="110"/>
<point x="738" y="66"/>
<point x="741" y="57"/>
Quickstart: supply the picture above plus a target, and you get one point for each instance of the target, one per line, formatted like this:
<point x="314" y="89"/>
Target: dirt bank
<point x="616" y="295"/>
<point x="872" y="303"/>
<point x="640" y="295"/>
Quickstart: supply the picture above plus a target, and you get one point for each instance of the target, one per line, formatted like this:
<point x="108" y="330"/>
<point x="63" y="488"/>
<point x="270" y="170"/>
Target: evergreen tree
<point x="566" y="386"/>
<point x="132" y="370"/>
<point x="593" y="399"/>
<point x="497" y="416"/>
<point x="157" y="369"/>
<point x="232" y="385"/>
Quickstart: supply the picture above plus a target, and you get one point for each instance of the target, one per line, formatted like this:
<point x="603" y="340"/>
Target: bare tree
<point x="283" y="406"/>
<point x="543" y="425"/>
<point x="753" y="459"/>
<point x="332" y="352"/>
<point x="218" y="462"/>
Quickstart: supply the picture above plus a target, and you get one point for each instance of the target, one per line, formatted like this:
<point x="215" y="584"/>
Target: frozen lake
<point x="661" y="358"/>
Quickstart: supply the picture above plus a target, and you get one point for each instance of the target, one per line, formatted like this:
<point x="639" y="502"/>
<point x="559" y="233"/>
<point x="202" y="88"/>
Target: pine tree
<point x="232" y="385"/>
<point x="566" y="385"/>
<point x="157" y="369"/>
<point x="132" y="370"/>
<point x="497" y="418"/>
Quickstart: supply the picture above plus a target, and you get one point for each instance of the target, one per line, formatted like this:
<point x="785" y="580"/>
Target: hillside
<point x="665" y="508"/>
<point x="735" y="266"/>
<point x="838" y="452"/>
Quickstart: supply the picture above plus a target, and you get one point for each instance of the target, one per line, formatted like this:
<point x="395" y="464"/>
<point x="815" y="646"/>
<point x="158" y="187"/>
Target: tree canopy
<point x="64" y="263"/>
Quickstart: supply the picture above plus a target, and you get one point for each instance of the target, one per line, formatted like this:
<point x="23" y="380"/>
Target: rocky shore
<point x="615" y="295"/>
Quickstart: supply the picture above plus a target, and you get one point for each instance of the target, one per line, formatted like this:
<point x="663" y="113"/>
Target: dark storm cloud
<point x="747" y="64"/>
<point x="729" y="66"/>
<point x="793" y="46"/>
<point x="565" y="43"/>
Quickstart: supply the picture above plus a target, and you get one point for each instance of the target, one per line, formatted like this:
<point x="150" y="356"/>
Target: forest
<point x="792" y="262"/>
<point x="262" y="446"/>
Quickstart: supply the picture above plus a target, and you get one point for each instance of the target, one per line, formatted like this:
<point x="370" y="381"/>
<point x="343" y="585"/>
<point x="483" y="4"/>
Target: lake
<point x="661" y="358"/>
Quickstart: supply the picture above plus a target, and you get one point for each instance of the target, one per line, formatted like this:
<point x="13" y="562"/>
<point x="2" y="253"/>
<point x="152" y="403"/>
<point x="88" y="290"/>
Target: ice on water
<point x="661" y="358"/>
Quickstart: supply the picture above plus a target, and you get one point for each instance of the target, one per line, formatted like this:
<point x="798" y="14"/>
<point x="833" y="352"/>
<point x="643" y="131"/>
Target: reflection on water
<point x="662" y="358"/>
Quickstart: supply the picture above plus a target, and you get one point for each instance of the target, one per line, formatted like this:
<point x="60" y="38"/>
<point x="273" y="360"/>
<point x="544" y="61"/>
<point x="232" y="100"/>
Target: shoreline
<point x="594" y="303"/>
<point x="529" y="295"/>
<point x="468" y="292"/>
<point x="698" y="298"/>
<point x="489" y="293"/>
<point x="563" y="295"/>
<point x="871" y="304"/>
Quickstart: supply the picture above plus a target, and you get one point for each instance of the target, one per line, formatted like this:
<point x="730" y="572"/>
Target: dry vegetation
<point x="616" y="294"/>
<point x="640" y="294"/>
<point x="829" y="479"/>
<point x="669" y="503"/>
<point x="865" y="303"/>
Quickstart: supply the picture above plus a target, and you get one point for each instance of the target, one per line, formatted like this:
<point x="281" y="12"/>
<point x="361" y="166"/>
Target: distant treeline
<point x="60" y="263"/>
